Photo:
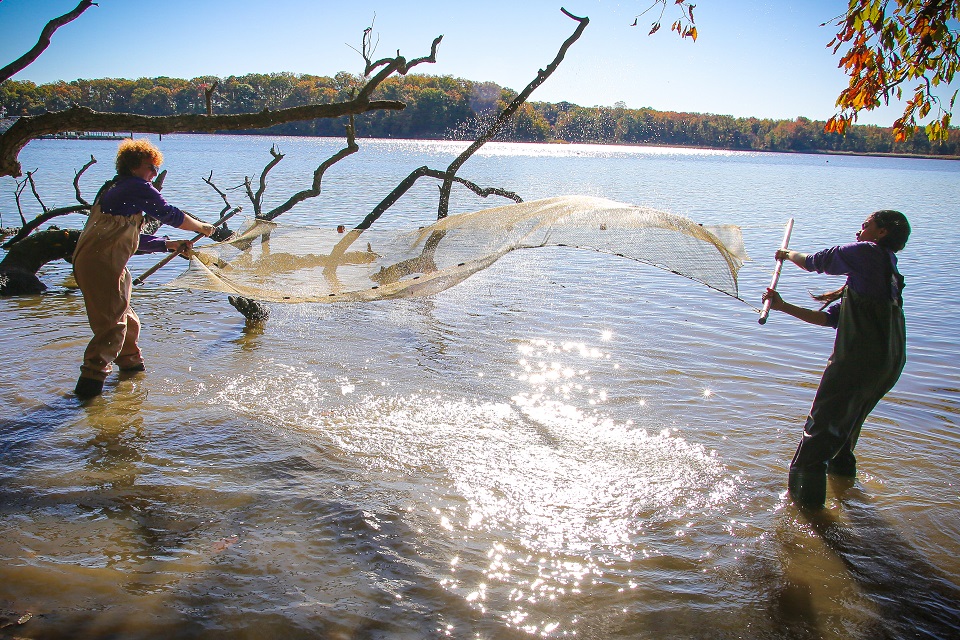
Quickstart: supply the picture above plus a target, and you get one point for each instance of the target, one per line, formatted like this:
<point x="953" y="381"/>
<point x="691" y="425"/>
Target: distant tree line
<point x="453" y="108"/>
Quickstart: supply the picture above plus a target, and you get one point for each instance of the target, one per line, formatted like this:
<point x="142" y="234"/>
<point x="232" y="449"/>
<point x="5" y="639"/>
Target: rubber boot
<point x="808" y="487"/>
<point x="844" y="465"/>
<point x="88" y="388"/>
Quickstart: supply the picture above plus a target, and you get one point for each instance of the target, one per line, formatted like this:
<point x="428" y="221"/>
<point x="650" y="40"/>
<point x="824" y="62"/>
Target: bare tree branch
<point x="425" y="263"/>
<point x="257" y="198"/>
<point x="76" y="180"/>
<point x="79" y="118"/>
<point x="427" y="172"/>
<point x="398" y="64"/>
<point x="26" y="59"/>
<point x="16" y="194"/>
<point x="314" y="190"/>
<point x="29" y="227"/>
<point x="33" y="188"/>
<point x="507" y="113"/>
<point x="49" y="214"/>
<point x="223" y="196"/>
<point x="249" y="189"/>
<point x="208" y="94"/>
<point x="449" y="176"/>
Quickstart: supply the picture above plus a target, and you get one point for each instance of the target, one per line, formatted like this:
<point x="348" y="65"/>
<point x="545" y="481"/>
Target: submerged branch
<point x="257" y="198"/>
<point x="33" y="188"/>
<point x="76" y="180"/>
<point x="314" y="189"/>
<point x="31" y="226"/>
<point x="49" y="214"/>
<point x="18" y="269"/>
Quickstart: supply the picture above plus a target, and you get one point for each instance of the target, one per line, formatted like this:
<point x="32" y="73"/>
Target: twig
<point x="223" y="196"/>
<point x="16" y="194"/>
<point x="33" y="187"/>
<point x="257" y="198"/>
<point x="76" y="180"/>
<point x="208" y="94"/>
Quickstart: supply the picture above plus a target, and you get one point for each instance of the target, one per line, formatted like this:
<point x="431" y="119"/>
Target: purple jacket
<point x="131" y="195"/>
<point x="868" y="268"/>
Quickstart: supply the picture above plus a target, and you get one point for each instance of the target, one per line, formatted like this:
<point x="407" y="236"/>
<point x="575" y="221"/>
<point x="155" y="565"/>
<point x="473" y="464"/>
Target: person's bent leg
<point x="844" y="464"/>
<point x="130" y="357"/>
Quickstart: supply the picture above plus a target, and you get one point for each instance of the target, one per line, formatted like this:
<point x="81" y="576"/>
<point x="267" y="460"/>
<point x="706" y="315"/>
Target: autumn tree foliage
<point x="886" y="46"/>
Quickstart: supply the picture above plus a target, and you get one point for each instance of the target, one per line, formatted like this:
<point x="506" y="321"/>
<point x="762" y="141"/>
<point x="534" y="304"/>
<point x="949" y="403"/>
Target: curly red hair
<point x="132" y="153"/>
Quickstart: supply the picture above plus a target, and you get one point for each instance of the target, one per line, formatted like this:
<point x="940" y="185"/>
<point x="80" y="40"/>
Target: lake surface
<point x="567" y="444"/>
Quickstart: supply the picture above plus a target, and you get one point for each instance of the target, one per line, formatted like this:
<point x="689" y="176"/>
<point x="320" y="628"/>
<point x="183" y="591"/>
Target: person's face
<point x="147" y="170"/>
<point x="870" y="231"/>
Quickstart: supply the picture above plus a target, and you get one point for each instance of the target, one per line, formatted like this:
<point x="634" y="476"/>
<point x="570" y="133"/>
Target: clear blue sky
<point x="752" y="58"/>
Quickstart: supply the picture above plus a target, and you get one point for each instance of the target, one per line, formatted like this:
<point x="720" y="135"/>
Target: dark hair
<point x="898" y="229"/>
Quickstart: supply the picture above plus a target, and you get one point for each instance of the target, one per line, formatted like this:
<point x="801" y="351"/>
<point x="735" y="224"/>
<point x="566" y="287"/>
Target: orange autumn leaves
<point x="892" y="42"/>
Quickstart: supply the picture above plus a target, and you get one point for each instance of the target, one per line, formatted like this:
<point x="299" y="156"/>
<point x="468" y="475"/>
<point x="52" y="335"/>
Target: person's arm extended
<point x="153" y="244"/>
<point x="797" y="258"/>
<point x="819" y="318"/>
<point x="192" y="224"/>
<point x="154" y="205"/>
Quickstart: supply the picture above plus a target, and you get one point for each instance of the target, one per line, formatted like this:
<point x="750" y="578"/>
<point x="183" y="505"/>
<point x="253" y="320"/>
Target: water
<point x="565" y="445"/>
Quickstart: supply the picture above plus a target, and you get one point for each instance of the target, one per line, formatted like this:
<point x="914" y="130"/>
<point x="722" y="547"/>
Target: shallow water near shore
<point x="567" y="444"/>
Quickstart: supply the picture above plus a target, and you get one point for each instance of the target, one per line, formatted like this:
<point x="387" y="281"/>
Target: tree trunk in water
<point x="18" y="269"/>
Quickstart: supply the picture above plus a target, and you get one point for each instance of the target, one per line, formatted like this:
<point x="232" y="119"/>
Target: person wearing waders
<point x="109" y="238"/>
<point x="868" y="354"/>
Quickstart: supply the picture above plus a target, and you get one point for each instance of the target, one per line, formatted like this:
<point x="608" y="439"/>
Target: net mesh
<point x="276" y="263"/>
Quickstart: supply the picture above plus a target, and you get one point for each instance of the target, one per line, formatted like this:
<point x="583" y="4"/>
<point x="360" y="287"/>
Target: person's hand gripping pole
<point x="149" y="272"/>
<point x="776" y="271"/>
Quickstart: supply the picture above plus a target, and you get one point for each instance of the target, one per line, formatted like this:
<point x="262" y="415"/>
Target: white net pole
<point x="776" y="271"/>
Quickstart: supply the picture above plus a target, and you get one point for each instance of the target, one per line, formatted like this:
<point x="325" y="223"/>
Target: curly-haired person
<point x="109" y="238"/>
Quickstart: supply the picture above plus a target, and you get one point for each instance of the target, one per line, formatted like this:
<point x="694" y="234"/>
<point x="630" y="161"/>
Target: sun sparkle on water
<point x="542" y="479"/>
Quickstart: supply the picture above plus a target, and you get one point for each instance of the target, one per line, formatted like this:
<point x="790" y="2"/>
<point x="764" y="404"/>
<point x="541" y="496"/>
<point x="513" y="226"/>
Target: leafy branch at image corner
<point x="883" y="45"/>
<point x="890" y="43"/>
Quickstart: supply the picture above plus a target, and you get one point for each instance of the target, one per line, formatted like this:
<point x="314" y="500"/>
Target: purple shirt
<point x="867" y="266"/>
<point x="131" y="195"/>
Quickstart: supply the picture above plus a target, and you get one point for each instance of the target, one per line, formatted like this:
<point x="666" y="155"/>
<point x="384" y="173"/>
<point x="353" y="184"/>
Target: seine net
<point x="276" y="263"/>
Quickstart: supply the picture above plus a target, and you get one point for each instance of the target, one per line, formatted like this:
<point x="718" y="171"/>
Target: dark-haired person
<point x="110" y="236"/>
<point x="868" y="354"/>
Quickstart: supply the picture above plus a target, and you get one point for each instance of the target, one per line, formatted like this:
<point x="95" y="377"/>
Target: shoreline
<point x="812" y="152"/>
<point x="874" y="154"/>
